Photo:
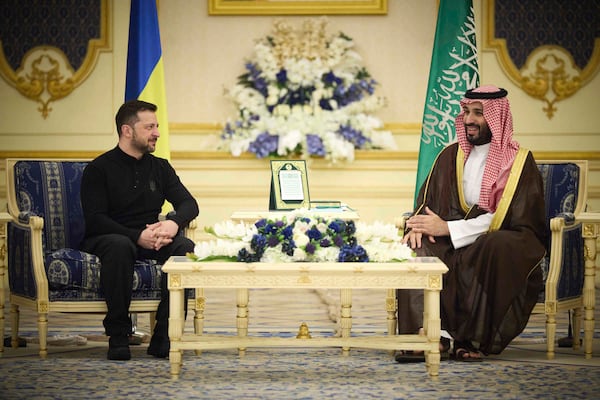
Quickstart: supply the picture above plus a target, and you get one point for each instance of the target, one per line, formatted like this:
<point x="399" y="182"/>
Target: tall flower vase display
<point x="305" y="94"/>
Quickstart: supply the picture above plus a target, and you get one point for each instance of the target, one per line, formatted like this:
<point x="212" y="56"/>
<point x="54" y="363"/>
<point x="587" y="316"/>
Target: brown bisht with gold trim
<point x="493" y="284"/>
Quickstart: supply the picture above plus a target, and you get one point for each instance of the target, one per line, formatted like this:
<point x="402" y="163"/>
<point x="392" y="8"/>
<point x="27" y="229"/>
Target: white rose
<point x="301" y="240"/>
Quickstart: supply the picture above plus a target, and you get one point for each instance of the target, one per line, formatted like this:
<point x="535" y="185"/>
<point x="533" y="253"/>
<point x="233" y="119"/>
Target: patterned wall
<point x="65" y="24"/>
<point x="549" y="48"/>
<point x="528" y="24"/>
<point x="49" y="47"/>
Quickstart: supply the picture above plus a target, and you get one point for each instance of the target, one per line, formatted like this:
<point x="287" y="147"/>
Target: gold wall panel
<point x="550" y="73"/>
<point x="292" y="7"/>
<point x="46" y="75"/>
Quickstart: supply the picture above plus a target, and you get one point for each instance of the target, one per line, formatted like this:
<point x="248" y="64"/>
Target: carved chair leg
<point x="14" y="325"/>
<point x="576" y="328"/>
<point x="136" y="337"/>
<point x="43" y="333"/>
<point x="550" y="334"/>
<point x="152" y="321"/>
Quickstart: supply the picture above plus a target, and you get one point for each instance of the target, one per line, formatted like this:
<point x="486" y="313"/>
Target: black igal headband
<point x="472" y="94"/>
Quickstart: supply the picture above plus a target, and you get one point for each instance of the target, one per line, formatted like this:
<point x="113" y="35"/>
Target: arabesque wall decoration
<point x="548" y="49"/>
<point x="48" y="48"/>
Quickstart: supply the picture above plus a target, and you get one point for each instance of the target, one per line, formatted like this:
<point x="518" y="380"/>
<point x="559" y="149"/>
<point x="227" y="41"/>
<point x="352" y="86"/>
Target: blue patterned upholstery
<point x="50" y="189"/>
<point x="561" y="187"/>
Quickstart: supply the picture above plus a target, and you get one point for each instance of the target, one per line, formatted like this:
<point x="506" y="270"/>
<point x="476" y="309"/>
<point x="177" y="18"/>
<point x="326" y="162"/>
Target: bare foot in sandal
<point x="466" y="352"/>
<point x="409" y="356"/>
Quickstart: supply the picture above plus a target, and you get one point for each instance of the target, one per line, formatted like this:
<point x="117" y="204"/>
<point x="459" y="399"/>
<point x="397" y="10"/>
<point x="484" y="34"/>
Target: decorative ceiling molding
<point x="53" y="65"/>
<point x="546" y="57"/>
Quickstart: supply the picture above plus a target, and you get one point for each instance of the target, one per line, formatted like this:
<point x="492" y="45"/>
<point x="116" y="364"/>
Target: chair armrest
<point x="24" y="216"/>
<point x="28" y="261"/>
<point x="36" y="224"/>
<point x="190" y="230"/>
<point x="568" y="217"/>
<point x="565" y="274"/>
<point x="400" y="222"/>
<point x="563" y="220"/>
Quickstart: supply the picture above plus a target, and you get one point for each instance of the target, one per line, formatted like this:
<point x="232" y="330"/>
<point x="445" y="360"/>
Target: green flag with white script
<point x="452" y="72"/>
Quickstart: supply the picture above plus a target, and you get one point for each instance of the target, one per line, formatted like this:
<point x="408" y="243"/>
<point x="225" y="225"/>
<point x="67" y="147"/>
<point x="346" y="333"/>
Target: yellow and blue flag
<point x="145" y="72"/>
<point x="454" y="70"/>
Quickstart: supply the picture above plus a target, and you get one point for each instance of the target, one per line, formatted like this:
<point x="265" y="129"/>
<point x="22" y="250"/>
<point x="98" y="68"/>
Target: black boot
<point x="159" y="344"/>
<point x="118" y="348"/>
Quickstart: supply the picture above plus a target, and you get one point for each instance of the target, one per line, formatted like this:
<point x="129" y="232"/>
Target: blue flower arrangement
<point x="305" y="94"/>
<point x="315" y="234"/>
<point x="302" y="236"/>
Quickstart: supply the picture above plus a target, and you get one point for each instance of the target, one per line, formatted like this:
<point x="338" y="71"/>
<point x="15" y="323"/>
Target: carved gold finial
<point x="303" y="332"/>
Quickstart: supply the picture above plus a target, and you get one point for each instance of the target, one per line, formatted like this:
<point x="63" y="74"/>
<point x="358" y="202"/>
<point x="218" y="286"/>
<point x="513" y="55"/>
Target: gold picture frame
<point x="289" y="185"/>
<point x="292" y="7"/>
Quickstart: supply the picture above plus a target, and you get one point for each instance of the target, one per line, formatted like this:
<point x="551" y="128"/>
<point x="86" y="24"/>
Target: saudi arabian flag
<point x="452" y="72"/>
<point x="145" y="74"/>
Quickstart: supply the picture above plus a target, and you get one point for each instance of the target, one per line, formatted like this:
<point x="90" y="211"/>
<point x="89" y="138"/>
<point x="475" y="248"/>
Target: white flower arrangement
<point x="305" y="94"/>
<point x="303" y="236"/>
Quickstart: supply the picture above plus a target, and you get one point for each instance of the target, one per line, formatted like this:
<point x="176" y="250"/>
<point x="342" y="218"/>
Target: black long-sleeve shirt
<point x="120" y="194"/>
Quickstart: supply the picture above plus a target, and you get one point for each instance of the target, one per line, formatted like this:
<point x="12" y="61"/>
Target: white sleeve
<point x="463" y="232"/>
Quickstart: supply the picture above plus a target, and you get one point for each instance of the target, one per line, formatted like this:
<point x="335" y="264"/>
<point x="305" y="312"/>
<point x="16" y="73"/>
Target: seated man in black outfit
<point x="122" y="194"/>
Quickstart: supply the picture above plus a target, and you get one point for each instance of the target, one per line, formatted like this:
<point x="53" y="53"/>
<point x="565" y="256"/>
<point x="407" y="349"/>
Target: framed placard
<point x="289" y="185"/>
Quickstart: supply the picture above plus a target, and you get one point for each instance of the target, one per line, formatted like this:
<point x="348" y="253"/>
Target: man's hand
<point x="428" y="224"/>
<point x="414" y="239"/>
<point x="158" y="234"/>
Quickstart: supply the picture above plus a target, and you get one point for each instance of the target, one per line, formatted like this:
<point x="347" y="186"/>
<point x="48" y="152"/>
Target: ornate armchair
<point x="46" y="272"/>
<point x="565" y="185"/>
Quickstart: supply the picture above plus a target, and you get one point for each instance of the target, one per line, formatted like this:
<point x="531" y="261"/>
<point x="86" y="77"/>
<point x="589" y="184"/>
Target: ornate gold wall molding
<point x="46" y="75"/>
<point x="223" y="155"/>
<point x="293" y="7"/>
<point x="216" y="127"/>
<point x="550" y="73"/>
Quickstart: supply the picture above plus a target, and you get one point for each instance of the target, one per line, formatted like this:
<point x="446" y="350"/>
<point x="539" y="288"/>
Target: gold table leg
<point x="346" y="316"/>
<point x="590" y="235"/>
<point x="176" y="323"/>
<point x="3" y="261"/>
<point x="242" y="316"/>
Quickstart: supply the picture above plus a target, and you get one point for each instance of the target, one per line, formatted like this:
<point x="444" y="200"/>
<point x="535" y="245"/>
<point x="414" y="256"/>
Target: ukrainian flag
<point x="145" y="73"/>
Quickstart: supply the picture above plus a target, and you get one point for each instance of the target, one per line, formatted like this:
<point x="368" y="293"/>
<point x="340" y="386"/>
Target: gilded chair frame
<point x="42" y="304"/>
<point x="551" y="305"/>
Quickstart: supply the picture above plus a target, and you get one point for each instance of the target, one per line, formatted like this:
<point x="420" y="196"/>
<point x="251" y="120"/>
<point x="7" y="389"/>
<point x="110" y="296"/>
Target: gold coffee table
<point x="422" y="273"/>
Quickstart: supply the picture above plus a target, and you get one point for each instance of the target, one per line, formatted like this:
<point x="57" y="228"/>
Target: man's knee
<point x="111" y="247"/>
<point x="121" y="244"/>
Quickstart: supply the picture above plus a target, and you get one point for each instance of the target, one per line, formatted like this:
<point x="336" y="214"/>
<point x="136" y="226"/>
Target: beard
<point x="484" y="136"/>
<point x="144" y="146"/>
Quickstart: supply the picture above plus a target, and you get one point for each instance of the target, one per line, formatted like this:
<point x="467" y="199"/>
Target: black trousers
<point x="117" y="254"/>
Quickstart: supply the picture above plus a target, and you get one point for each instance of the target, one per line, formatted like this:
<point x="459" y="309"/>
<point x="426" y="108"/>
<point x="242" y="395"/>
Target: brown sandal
<point x="463" y="350"/>
<point x="409" y="356"/>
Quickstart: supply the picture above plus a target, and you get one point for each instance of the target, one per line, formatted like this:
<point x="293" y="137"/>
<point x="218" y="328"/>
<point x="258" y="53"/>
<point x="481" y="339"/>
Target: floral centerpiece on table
<point x="305" y="93"/>
<point x="302" y="237"/>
